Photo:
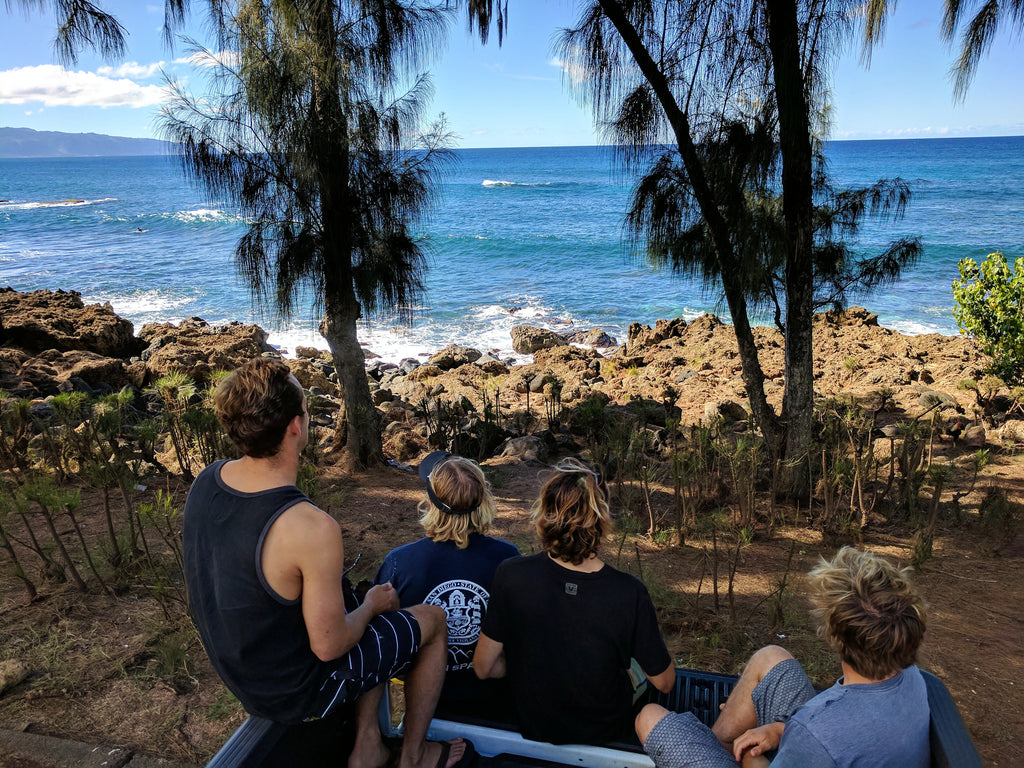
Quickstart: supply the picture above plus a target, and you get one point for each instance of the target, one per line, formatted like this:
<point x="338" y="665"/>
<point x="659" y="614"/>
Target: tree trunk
<point x="797" y="203"/>
<point x="357" y="431"/>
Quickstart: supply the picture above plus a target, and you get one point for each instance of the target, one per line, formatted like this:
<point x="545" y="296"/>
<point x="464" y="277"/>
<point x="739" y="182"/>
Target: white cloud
<point x="575" y="73"/>
<point x="929" y="131"/>
<point x="132" y="70"/>
<point x="55" y="86"/>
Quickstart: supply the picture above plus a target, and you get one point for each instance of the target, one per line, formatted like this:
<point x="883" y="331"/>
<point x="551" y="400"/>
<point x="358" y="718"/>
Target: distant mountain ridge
<point x="25" y="142"/>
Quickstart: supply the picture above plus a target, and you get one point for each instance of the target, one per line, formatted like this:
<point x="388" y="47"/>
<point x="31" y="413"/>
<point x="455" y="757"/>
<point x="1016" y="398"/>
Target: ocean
<point x="519" y="236"/>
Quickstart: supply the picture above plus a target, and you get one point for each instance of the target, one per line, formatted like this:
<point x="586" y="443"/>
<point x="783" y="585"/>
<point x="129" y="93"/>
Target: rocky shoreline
<point x="51" y="342"/>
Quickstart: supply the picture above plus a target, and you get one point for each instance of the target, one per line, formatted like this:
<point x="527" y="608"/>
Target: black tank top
<point x="256" y="640"/>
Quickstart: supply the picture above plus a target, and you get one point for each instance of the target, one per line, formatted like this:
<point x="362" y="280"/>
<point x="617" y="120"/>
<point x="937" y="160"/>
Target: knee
<point x="432" y="619"/>
<point x="766" y="658"/>
<point x="649" y="716"/>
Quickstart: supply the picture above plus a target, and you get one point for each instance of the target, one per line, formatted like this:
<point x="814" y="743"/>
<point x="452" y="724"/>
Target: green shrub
<point x="990" y="306"/>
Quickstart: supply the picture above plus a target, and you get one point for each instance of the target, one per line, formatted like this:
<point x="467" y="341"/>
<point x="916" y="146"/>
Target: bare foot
<point x="431" y="754"/>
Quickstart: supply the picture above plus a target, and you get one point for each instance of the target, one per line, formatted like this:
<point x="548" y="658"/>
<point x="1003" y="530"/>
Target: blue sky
<point x="514" y="95"/>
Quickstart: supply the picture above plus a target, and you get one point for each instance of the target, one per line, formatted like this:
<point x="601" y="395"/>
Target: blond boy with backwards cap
<point x="453" y="566"/>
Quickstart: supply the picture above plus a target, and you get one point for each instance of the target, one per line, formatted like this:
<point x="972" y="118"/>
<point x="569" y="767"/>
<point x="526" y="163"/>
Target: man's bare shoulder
<point x="305" y="519"/>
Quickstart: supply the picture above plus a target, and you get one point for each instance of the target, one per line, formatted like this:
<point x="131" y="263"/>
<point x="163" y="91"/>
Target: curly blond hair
<point x="571" y="514"/>
<point x="869" y="612"/>
<point x="459" y="483"/>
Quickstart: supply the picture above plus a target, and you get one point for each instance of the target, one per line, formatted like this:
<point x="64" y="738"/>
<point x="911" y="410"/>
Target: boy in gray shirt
<point x="876" y="714"/>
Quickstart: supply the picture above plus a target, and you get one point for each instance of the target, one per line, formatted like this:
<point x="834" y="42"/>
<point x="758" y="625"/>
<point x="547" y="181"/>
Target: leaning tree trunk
<point x="797" y="204"/>
<point x="357" y="430"/>
<point x="751" y="371"/>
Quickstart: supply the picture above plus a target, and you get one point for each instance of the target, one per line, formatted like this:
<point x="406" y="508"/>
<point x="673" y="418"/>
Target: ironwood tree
<point x="308" y="129"/>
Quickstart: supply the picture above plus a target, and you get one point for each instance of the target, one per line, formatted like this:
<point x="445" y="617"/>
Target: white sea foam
<point x="204" y="215"/>
<point x="287" y="339"/>
<point x="515" y="313"/>
<point x="913" y="328"/>
<point x="503" y="183"/>
<point x="57" y="203"/>
<point x="145" y="303"/>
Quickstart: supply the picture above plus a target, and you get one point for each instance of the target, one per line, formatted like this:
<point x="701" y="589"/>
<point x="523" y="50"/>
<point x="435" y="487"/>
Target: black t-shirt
<point x="568" y="639"/>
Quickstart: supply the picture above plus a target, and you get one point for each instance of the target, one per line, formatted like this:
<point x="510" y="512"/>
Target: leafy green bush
<point x="990" y="306"/>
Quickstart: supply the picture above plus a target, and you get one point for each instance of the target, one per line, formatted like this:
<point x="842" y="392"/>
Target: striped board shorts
<point x="384" y="651"/>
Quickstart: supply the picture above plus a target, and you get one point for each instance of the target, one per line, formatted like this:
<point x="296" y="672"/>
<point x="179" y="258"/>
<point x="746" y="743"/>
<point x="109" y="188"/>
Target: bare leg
<point x="738" y="715"/>
<point x="422" y="689"/>
<point x="369" y="750"/>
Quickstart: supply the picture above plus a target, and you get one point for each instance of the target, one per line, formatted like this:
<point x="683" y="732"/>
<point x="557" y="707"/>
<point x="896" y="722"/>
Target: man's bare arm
<point x="749" y="748"/>
<point x="664" y="681"/>
<point x="311" y="544"/>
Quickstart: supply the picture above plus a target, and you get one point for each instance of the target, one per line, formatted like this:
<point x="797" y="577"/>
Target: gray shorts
<point x="680" y="740"/>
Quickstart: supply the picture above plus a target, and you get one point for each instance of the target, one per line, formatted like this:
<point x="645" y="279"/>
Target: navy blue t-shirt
<point x="459" y="580"/>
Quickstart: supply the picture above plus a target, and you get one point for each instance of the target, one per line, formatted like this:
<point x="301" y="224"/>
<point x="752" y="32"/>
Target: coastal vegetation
<point x="990" y="306"/>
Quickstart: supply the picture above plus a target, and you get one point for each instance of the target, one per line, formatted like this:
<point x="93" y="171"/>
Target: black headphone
<point x="427" y="467"/>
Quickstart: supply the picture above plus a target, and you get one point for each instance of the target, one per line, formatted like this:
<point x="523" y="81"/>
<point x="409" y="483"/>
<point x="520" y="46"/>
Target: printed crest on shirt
<point x="465" y="603"/>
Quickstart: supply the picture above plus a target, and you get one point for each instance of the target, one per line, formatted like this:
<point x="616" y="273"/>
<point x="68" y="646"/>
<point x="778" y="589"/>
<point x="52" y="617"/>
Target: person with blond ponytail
<point x="452" y="566"/>
<point x="565" y="627"/>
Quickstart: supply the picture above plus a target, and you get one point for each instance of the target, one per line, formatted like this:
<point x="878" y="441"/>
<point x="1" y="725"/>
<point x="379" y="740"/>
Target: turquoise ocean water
<point x="520" y="236"/>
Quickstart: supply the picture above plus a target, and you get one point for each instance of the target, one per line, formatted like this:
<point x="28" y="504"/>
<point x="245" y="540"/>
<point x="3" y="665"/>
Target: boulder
<point x="639" y="336"/>
<point x="492" y="366"/>
<point x="527" y="339"/>
<point x="730" y="410"/>
<point x="974" y="437"/>
<point x="52" y="371"/>
<point x="595" y="337"/>
<point x="11" y="361"/>
<point x="526" y="448"/>
<point x="453" y="356"/>
<point x="1012" y="432"/>
<point x="311" y="374"/>
<point x="196" y="348"/>
<point x="424" y="372"/>
<point x="12" y="672"/>
<point x="59" y="320"/>
<point x="312" y="353"/>
<point x="851" y="316"/>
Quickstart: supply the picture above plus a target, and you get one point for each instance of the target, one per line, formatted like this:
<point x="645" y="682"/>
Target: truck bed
<point x="262" y="743"/>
